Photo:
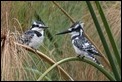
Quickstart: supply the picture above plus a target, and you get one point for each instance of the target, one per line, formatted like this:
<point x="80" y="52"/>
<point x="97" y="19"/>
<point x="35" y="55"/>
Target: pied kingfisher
<point x="81" y="44"/>
<point x="34" y="36"/>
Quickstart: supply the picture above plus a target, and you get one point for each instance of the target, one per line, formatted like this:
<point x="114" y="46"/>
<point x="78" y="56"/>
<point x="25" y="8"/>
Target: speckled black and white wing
<point x="26" y="37"/>
<point x="83" y="44"/>
<point x="29" y="38"/>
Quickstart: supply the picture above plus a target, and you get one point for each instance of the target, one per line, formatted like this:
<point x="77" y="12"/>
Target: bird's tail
<point x="95" y="60"/>
<point x="98" y="54"/>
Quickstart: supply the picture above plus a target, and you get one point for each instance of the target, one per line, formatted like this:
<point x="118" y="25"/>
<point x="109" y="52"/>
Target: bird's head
<point x="38" y="26"/>
<point x="75" y="29"/>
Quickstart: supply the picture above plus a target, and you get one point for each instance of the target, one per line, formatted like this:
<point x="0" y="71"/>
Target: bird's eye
<point x="73" y="29"/>
<point x="35" y="25"/>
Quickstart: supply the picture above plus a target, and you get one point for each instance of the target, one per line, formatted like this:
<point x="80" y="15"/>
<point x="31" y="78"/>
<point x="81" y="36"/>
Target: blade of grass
<point x="111" y="38"/>
<point x="37" y="72"/>
<point x="72" y="20"/>
<point x="109" y="55"/>
<point x="105" y="72"/>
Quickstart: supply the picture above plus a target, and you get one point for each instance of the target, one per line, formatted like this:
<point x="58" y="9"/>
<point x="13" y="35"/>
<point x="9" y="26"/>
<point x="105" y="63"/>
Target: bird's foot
<point x="35" y="50"/>
<point x="78" y="56"/>
<point x="101" y="65"/>
<point x="81" y="56"/>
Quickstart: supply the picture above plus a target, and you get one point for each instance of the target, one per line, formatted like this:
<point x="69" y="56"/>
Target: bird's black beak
<point x="45" y="27"/>
<point x="67" y="31"/>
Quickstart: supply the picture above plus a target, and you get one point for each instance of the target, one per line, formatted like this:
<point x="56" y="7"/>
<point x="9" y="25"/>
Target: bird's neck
<point x="39" y="30"/>
<point x="76" y="34"/>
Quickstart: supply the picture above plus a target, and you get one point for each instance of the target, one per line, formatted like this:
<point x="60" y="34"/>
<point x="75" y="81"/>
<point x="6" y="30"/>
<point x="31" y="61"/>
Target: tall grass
<point x="16" y="66"/>
<point x="105" y="45"/>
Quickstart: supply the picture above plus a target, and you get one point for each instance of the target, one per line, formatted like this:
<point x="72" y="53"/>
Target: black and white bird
<point x="34" y="36"/>
<point x="81" y="44"/>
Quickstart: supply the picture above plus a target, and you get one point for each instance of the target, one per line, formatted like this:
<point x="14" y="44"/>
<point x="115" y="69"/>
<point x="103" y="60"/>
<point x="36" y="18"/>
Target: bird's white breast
<point x="36" y="41"/>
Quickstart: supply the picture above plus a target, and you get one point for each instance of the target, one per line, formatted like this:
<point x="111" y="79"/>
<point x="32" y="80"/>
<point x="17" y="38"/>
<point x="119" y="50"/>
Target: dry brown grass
<point x="13" y="57"/>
